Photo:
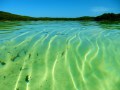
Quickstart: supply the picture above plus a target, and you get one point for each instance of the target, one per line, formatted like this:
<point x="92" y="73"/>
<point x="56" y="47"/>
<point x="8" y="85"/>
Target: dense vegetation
<point x="108" y="17"/>
<point x="12" y="17"/>
<point x="5" y="16"/>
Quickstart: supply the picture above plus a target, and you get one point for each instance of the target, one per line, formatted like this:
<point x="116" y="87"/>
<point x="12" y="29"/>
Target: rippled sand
<point x="59" y="56"/>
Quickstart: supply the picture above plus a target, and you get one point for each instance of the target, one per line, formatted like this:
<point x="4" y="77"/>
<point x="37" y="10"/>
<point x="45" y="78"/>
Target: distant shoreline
<point x="6" y="16"/>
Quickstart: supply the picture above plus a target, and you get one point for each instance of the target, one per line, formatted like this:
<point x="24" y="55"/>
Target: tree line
<point x="5" y="16"/>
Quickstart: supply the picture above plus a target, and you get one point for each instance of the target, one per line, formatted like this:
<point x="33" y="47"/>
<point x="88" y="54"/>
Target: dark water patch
<point x="27" y="78"/>
<point x="37" y="54"/>
<point x="4" y="77"/>
<point x="63" y="53"/>
<point x="2" y="63"/>
<point x="15" y="57"/>
<point x="29" y="55"/>
<point x="17" y="89"/>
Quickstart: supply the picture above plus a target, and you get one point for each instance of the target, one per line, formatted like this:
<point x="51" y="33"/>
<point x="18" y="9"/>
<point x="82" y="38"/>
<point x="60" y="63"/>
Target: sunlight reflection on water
<point x="45" y="55"/>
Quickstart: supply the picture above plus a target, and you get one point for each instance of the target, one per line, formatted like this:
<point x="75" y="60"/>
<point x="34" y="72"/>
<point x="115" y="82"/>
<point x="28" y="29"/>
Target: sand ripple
<point x="59" y="56"/>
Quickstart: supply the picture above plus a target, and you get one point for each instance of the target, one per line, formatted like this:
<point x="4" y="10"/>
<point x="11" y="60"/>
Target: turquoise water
<point x="59" y="55"/>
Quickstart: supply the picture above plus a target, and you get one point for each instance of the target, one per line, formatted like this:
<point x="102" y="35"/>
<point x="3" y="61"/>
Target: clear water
<point x="62" y="55"/>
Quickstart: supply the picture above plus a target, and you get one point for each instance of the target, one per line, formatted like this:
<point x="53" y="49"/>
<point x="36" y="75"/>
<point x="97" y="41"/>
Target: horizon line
<point x="56" y="16"/>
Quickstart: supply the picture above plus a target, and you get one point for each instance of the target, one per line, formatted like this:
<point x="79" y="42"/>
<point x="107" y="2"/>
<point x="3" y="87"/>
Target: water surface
<point x="59" y="55"/>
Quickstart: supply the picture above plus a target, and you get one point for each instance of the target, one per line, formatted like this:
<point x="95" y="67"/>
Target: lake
<point x="59" y="55"/>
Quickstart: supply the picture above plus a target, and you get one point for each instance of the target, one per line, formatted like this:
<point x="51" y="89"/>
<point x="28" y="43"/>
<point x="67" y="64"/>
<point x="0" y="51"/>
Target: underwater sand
<point x="59" y="55"/>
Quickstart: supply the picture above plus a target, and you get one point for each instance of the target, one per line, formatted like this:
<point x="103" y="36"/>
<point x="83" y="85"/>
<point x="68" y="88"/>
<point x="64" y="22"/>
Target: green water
<point x="59" y="55"/>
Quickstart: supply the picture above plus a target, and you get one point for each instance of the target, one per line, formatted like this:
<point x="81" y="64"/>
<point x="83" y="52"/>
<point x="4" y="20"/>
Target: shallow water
<point x="45" y="55"/>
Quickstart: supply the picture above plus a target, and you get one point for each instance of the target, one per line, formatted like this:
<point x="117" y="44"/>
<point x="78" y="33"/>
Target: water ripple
<point x="59" y="56"/>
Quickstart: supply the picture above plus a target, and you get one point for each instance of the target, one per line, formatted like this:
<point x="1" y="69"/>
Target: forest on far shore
<point x="6" y="16"/>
